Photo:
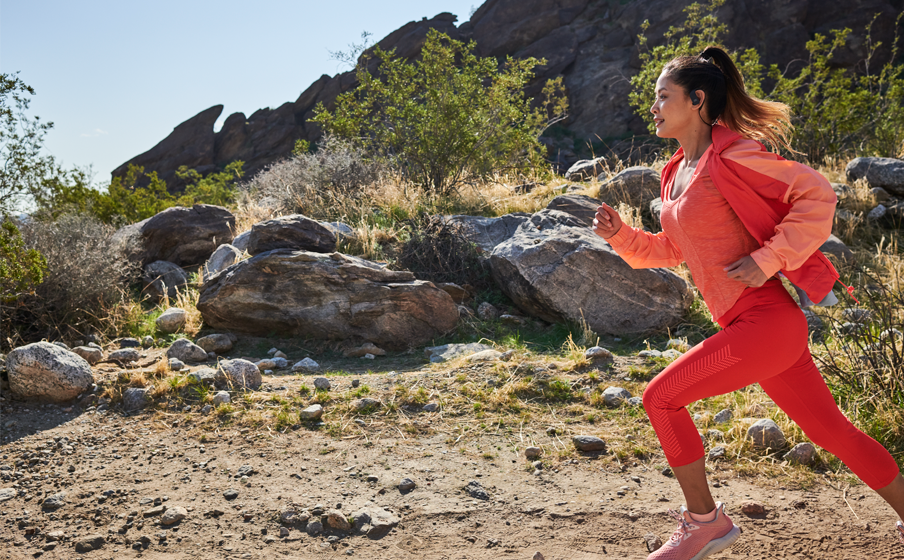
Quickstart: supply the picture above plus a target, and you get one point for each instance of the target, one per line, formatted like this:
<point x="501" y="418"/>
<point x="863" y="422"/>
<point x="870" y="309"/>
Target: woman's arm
<point x="638" y="248"/>
<point x="809" y="221"/>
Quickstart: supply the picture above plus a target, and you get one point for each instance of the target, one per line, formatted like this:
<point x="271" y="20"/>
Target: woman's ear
<point x="697" y="97"/>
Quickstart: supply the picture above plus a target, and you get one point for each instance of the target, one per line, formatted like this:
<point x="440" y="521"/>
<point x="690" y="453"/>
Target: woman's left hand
<point x="747" y="272"/>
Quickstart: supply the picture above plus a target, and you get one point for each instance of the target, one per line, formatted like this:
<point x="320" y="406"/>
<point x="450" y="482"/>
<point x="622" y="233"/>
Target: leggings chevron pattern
<point x="764" y="340"/>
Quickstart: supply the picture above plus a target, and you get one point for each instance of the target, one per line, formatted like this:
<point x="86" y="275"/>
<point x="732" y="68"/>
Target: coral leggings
<point x="764" y="340"/>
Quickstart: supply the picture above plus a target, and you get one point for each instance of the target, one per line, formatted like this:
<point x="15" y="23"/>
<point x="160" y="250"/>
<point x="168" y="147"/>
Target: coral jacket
<point x="785" y="205"/>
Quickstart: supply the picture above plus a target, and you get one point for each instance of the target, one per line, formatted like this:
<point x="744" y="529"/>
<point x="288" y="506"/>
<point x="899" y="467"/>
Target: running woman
<point x="739" y="215"/>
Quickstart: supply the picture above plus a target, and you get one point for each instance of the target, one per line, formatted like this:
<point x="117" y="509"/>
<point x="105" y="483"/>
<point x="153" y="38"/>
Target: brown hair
<point x="727" y="101"/>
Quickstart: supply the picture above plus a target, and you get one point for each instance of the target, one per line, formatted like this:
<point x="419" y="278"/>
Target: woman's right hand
<point x="607" y="222"/>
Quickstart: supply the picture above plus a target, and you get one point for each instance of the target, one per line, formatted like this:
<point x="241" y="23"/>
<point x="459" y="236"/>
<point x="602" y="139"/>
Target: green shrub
<point x="20" y="268"/>
<point x="449" y="115"/>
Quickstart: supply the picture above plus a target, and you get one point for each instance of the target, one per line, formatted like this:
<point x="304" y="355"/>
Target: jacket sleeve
<point x="809" y="221"/>
<point x="641" y="249"/>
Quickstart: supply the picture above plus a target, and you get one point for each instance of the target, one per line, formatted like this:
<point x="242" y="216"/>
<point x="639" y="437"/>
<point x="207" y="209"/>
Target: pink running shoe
<point x="693" y="540"/>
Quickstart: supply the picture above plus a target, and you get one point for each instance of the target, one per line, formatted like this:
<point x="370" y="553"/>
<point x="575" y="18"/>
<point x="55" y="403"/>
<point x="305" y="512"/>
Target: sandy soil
<point x="112" y="468"/>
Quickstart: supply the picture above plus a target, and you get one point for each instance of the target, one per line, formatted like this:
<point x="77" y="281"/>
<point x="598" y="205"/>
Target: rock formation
<point x="592" y="43"/>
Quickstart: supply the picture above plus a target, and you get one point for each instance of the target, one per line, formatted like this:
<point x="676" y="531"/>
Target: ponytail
<point x="728" y="102"/>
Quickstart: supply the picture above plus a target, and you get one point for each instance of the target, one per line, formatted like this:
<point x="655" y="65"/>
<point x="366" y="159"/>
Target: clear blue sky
<point x="116" y="76"/>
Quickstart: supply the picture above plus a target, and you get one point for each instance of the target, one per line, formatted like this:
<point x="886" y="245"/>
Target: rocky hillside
<point x="592" y="43"/>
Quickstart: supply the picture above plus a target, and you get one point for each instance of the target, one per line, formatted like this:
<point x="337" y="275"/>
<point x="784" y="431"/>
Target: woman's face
<point x="672" y="111"/>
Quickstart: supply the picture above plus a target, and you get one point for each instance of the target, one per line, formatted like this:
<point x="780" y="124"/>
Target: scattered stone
<point x="374" y="522"/>
<point x="635" y="401"/>
<point x="171" y="320"/>
<point x="753" y="508"/>
<point x="206" y="409"/>
<point x="124" y="356"/>
<point x="231" y="494"/>
<point x="313" y="412"/>
<point x="225" y="256"/>
<point x="154" y="511"/>
<point x="671" y="354"/>
<point x="163" y="278"/>
<point x="306" y="364"/>
<point x="448" y="352"/>
<point x="485" y="356"/>
<point x="283" y="532"/>
<point x="288" y="515"/>
<point x="47" y="372"/>
<point x="599" y="355"/>
<point x="766" y="434"/>
<point x="278" y="354"/>
<point x="538" y="556"/>
<point x="723" y="416"/>
<point x="242" y="373"/>
<point x="649" y="354"/>
<point x="87" y="544"/>
<point x="187" y="351"/>
<point x="54" y="502"/>
<point x="716" y="453"/>
<point x="487" y="311"/>
<point x="90" y="354"/>
<point x="476" y="491"/>
<point x="336" y="520"/>
<point x="715" y="435"/>
<point x="667" y="471"/>
<point x="803" y="453"/>
<point x="135" y="398"/>
<point x="221" y="397"/>
<point x="586" y="169"/>
<point x="322" y="383"/>
<point x="362" y="405"/>
<point x="173" y="514"/>
<point x="176" y="364"/>
<point x="588" y="443"/>
<point x="836" y="247"/>
<point x="406" y="485"/>
<point x="615" y="396"/>
<point x="361" y="351"/>
<point x="216" y="343"/>
<point x="315" y="528"/>
<point x="654" y="543"/>
<point x="7" y="494"/>
<point x="208" y="376"/>
<point x="532" y="452"/>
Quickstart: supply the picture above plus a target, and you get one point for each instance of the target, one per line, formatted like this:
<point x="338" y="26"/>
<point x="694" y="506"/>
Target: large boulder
<point x="486" y="233"/>
<point x="887" y="173"/>
<point x="225" y="256"/>
<point x="586" y="169"/>
<point x="163" y="278"/>
<point x="45" y="371"/>
<point x="294" y="232"/>
<point x="636" y="186"/>
<point x="557" y="269"/>
<point x="326" y="296"/>
<point x="578" y="205"/>
<point x="183" y="236"/>
<point x="836" y="247"/>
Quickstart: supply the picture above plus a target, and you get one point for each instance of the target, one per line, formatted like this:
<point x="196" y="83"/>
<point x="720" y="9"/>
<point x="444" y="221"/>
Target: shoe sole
<point x="719" y="544"/>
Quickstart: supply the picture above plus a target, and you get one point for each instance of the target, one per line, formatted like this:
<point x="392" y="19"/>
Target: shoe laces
<point x="683" y="528"/>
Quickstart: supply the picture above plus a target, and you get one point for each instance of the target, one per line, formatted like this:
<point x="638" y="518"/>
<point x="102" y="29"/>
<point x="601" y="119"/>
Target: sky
<point x="116" y="76"/>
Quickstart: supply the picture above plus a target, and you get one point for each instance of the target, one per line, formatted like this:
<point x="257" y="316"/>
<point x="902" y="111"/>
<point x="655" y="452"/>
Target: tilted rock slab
<point x="486" y="233"/>
<point x="326" y="296"/>
<point x="557" y="269"/>
<point x="887" y="173"/>
<point x="295" y="232"/>
<point x="48" y="372"/>
<point x="183" y="236"/>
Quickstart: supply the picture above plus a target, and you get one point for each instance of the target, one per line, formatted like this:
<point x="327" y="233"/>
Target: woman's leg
<point x="764" y="341"/>
<point x="803" y="395"/>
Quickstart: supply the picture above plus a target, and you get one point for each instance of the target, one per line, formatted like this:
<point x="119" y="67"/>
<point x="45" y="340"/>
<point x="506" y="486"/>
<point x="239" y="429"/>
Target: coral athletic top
<point x="703" y="229"/>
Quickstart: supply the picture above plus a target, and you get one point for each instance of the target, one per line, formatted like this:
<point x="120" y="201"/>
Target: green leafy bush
<point x="835" y="111"/>
<point x="447" y="116"/>
<point x="20" y="268"/>
<point x="71" y="193"/>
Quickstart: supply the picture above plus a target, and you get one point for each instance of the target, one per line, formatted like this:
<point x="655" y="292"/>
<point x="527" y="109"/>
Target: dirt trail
<point x="118" y="466"/>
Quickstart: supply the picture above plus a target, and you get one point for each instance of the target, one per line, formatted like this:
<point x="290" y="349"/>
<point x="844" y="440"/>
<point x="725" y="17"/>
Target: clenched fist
<point x="747" y="272"/>
<point x="607" y="222"/>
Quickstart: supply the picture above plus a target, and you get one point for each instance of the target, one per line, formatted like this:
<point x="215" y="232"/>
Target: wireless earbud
<point x="694" y="98"/>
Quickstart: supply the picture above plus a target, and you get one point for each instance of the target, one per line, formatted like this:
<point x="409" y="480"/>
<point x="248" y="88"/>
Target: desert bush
<point x="20" y="269"/>
<point x="85" y="276"/>
<point x="447" y="115"/>
<point x="835" y="111"/>
<point x="318" y="185"/>
<point x="437" y="251"/>
<point x="124" y="202"/>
